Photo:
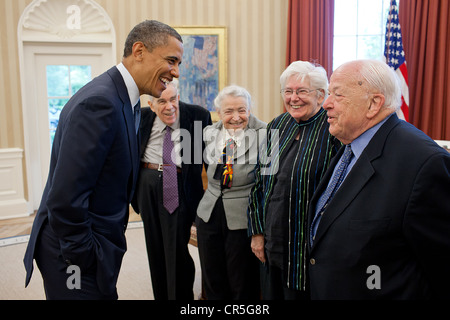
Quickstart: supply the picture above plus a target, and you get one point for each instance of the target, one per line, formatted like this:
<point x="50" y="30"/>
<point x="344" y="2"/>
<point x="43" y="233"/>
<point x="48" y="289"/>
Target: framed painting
<point x="203" y="72"/>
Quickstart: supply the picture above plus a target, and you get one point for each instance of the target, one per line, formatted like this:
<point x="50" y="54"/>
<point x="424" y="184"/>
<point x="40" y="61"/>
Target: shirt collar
<point x="237" y="138"/>
<point x="161" y="126"/>
<point x="360" y="143"/>
<point x="133" y="91"/>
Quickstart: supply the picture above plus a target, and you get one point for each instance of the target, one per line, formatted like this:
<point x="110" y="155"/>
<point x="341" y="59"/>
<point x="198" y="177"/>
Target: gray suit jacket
<point x="235" y="199"/>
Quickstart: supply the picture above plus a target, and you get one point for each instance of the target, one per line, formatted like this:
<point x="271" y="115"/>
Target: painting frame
<point x="220" y="53"/>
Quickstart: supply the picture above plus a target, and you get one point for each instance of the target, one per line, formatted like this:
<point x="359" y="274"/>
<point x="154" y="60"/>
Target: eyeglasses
<point x="301" y="92"/>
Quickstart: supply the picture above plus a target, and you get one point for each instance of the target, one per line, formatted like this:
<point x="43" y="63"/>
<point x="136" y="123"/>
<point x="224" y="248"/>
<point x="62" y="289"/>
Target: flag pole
<point x="388" y="44"/>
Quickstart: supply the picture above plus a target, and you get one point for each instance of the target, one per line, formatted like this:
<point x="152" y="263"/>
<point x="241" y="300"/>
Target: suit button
<point x="312" y="261"/>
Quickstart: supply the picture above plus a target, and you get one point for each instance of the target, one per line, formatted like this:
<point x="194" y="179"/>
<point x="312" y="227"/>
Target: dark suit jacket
<point x="391" y="212"/>
<point x="192" y="121"/>
<point x="93" y="171"/>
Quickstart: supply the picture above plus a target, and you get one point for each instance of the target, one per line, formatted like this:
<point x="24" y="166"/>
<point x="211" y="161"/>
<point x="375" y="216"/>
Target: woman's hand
<point x="258" y="247"/>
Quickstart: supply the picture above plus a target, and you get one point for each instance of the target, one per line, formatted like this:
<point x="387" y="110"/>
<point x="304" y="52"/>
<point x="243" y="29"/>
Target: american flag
<point x="395" y="56"/>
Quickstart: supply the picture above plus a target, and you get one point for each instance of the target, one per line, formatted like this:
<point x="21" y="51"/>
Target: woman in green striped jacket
<point x="298" y="151"/>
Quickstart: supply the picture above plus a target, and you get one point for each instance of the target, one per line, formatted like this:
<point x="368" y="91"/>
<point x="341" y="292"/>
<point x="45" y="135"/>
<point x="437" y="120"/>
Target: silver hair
<point x="304" y="70"/>
<point x="233" y="91"/>
<point x="382" y="78"/>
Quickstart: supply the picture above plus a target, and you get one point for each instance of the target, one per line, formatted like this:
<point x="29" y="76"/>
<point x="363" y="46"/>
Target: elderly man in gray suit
<point x="228" y="265"/>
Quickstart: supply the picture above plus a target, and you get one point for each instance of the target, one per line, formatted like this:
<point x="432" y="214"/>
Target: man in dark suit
<point x="386" y="232"/>
<point x="78" y="236"/>
<point x="167" y="232"/>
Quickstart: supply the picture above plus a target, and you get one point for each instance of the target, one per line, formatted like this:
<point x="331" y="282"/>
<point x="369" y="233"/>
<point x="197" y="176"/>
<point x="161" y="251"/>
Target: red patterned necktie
<point x="170" y="181"/>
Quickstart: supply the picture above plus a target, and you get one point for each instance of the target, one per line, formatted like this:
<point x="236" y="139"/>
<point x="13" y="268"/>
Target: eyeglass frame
<point x="283" y="92"/>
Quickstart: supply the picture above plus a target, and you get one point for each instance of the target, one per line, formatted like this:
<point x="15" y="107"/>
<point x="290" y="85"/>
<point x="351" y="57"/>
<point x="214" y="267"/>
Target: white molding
<point x="12" y="200"/>
<point x="50" y="20"/>
<point x="47" y="24"/>
<point x="14" y="240"/>
<point x="444" y="144"/>
<point x="24" y="238"/>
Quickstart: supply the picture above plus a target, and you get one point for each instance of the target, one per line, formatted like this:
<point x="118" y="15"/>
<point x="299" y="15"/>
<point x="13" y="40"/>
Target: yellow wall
<point x="256" y="47"/>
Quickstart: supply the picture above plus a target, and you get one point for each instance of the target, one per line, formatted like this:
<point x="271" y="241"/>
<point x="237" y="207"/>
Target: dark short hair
<point x="152" y="33"/>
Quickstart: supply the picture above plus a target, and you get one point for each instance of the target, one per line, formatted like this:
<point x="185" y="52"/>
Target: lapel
<point x="185" y="119"/>
<point x="129" y="119"/>
<point x="145" y="128"/>
<point x="355" y="181"/>
<point x="190" y="121"/>
<point x="358" y="177"/>
<point x="210" y="135"/>
<point x="148" y="118"/>
<point x="186" y="124"/>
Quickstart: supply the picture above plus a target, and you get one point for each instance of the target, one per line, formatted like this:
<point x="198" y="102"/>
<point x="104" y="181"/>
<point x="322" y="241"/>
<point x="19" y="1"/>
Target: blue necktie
<point x="137" y="116"/>
<point x="333" y="186"/>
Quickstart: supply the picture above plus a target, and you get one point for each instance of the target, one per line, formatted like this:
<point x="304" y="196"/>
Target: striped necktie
<point x="137" y="115"/>
<point x="333" y="186"/>
<point x="228" y="157"/>
<point x="224" y="170"/>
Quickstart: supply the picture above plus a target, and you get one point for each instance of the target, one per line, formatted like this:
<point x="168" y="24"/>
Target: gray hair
<point x="304" y="70"/>
<point x="382" y="78"/>
<point x="152" y="33"/>
<point x="233" y="91"/>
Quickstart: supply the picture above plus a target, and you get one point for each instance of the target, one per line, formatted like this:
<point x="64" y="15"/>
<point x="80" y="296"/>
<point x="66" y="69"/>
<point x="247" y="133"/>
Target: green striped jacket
<point x="317" y="147"/>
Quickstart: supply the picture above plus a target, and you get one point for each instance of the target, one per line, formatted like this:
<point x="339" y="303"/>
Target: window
<point x="63" y="81"/>
<point x="359" y="30"/>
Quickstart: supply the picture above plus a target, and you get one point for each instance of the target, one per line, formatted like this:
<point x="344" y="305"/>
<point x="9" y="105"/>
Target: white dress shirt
<point x="153" y="152"/>
<point x="133" y="91"/>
